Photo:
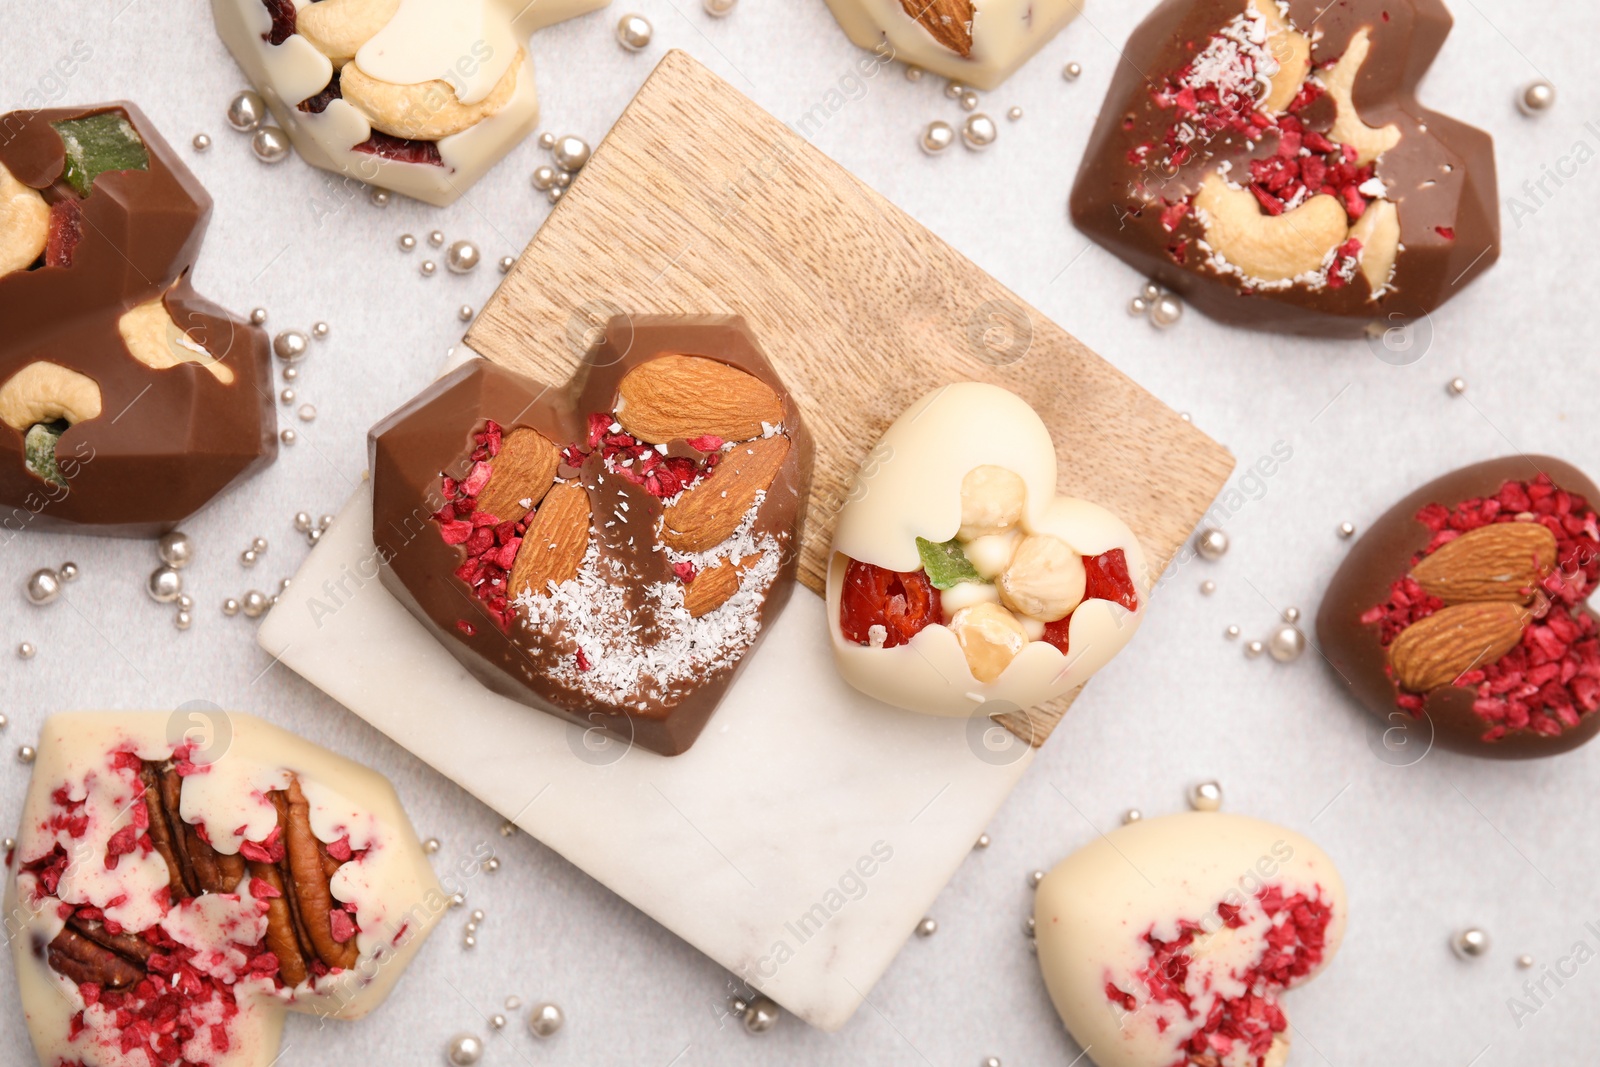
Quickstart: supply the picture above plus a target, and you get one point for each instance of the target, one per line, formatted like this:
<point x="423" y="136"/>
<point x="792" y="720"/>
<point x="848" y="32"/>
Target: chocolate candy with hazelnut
<point x="678" y="445"/>
<point x="1461" y="617"/>
<point x="127" y="401"/>
<point x="1321" y="199"/>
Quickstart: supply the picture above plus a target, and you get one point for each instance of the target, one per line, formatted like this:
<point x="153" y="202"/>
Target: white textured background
<point x="1425" y="848"/>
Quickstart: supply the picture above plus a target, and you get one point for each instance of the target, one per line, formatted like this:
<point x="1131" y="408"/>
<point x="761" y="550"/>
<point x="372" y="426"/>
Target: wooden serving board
<point x="699" y="202"/>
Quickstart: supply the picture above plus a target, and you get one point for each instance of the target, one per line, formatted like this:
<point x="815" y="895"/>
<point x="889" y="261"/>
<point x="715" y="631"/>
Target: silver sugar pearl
<point x="283" y="584"/>
<point x="254" y="604"/>
<point x="407" y="242"/>
<point x="1286" y="643"/>
<point x="1207" y="796"/>
<point x="1536" y="97"/>
<point x="633" y="32"/>
<point x="246" y="110"/>
<point x="464" y="1050"/>
<point x="1131" y="815"/>
<point x="1211" y="543"/>
<point x="545" y="1019"/>
<point x="1138" y="307"/>
<point x="1457" y="386"/>
<point x="378" y="197"/>
<point x="314" y="536"/>
<point x="1030" y="926"/>
<point x="544" y="177"/>
<point x="185" y="602"/>
<point x="287" y="396"/>
<point x="42" y="586"/>
<point x="230" y="607"/>
<point x="289" y="346"/>
<point x="67" y="572"/>
<point x="431" y="845"/>
<point x="1347" y="530"/>
<point x="1151" y="292"/>
<point x="1470" y="943"/>
<point x="991" y="1061"/>
<point x="719" y="8"/>
<point x="508" y="829"/>
<point x="288" y="437"/>
<point x="270" y="144"/>
<point x="563" y="179"/>
<point x="547" y="141"/>
<point x="302" y="521"/>
<point x="954" y="90"/>
<point x="571" y="153"/>
<point x="506" y="263"/>
<point x="1208" y="587"/>
<point x="913" y="74"/>
<point x="978" y="132"/>
<point x="457" y="899"/>
<point x="491" y="864"/>
<point x="319" y="331"/>
<point x="938" y="136"/>
<point x="555" y="194"/>
<point x="182" y="620"/>
<point x="436" y="238"/>
<point x="513" y="1002"/>
<point x="738" y="1005"/>
<point x="175" y="549"/>
<point x="969" y="101"/>
<point x="1524" y="961"/>
<point x="1014" y="114"/>
<point x="324" y="521"/>
<point x="498" y="1022"/>
<point x="258" y="316"/>
<point x="258" y="543"/>
<point x="464" y="312"/>
<point x="761" y="1015"/>
<point x="1231" y="633"/>
<point x="1034" y="878"/>
<point x="477" y="915"/>
<point x="1254" y="649"/>
<point x="247" y="558"/>
<point x="307" y="412"/>
<point x="982" y="842"/>
<point x="25" y="651"/>
<point x="427" y="268"/>
<point x="1291" y="614"/>
<point x="290" y="373"/>
<point x="165" y="584"/>
<point x="26" y="754"/>
<point x="8" y="844"/>
<point x="1166" y="311"/>
<point x="469" y="941"/>
<point x="927" y="927"/>
<point x="201" y="142"/>
<point x="1072" y="71"/>
<point x="462" y="257"/>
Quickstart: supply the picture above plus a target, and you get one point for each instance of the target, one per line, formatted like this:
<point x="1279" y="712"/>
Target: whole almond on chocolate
<point x="1437" y="650"/>
<point x="555" y="542"/>
<point x="1503" y="561"/>
<point x="524" y="470"/>
<point x="949" y="21"/>
<point x="713" y="586"/>
<point x="710" y="511"/>
<point x="678" y="397"/>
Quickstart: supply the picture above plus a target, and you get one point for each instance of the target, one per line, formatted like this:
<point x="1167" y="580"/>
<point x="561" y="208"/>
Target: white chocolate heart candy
<point x="971" y="467"/>
<point x="1169" y="940"/>
<point x="181" y="880"/>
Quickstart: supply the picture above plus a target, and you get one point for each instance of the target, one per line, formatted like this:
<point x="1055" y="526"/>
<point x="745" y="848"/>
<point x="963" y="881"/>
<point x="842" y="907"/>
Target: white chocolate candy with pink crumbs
<point x="1168" y="941"/>
<point x="960" y="495"/>
<point x="175" y="890"/>
<point x="978" y="43"/>
<point x="418" y="96"/>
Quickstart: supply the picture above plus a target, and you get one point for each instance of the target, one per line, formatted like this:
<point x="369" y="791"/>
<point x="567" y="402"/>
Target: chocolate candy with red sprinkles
<point x="1466" y="607"/>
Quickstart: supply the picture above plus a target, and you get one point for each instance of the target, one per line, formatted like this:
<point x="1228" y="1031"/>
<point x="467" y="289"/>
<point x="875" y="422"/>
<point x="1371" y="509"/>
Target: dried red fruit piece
<point x="903" y="603"/>
<point x="400" y="150"/>
<point x="1107" y="578"/>
<point x="283" y="21"/>
<point x="66" y="230"/>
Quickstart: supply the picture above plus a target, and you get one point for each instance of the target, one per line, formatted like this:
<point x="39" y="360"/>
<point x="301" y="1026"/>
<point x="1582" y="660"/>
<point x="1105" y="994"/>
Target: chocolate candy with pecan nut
<point x="1271" y="163"/>
<point x="1462" y="614"/>
<point x="127" y="401"/>
<point x="609" y="551"/>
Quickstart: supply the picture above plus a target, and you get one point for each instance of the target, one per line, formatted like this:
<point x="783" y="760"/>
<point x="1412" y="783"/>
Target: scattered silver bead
<point x="247" y="558"/>
<point x="544" y="177"/>
<point x="165" y="584"/>
<point x="1254" y="649"/>
<point x="969" y="101"/>
<point x="287" y="396"/>
<point x="1524" y="961"/>
<point x="954" y="90"/>
<point x="1291" y="614"/>
<point x="982" y="842"/>
<point x="571" y="153"/>
<point x="290" y="373"/>
<point x="508" y="829"/>
<point x="314" y="536"/>
<point x="258" y="543"/>
<point x="1347" y="530"/>
<point x="1138" y="307"/>
<point x="288" y="437"/>
<point x="761" y="1015"/>
<point x="1034" y="878"/>
<point x="720" y="8"/>
<point x="307" y="412"/>
<point x="513" y="1003"/>
<point x="506" y="263"/>
<point x="8" y="844"/>
<point x="1208" y="587"/>
<point x="378" y="197"/>
<point x="1185" y="416"/>
<point x="175" y="549"/>
<point x="464" y="1050"/>
<point x="1286" y="643"/>
<point x="246" y="110"/>
<point x="427" y="268"/>
<point x="1166" y="311"/>
<point x="185" y="602"/>
<point x="457" y="899"/>
<point x="67" y="572"/>
<point x="1470" y="943"/>
<point x="289" y="346"/>
<point x="42" y="586"/>
<point x="1151" y="292"/>
<point x="1131" y="815"/>
<point x="991" y="1061"/>
<point x="1231" y="633"/>
<point x="1457" y="386"/>
<point x="436" y="238"/>
<point x="26" y="754"/>
<point x="938" y="136"/>
<point x="1536" y="97"/>
<point x="407" y="242"/>
<point x="1014" y="114"/>
<point x="258" y="316"/>
<point x="913" y="74"/>
<point x="270" y="144"/>
<point x="469" y="941"/>
<point x="1072" y="71"/>
<point x="201" y="142"/>
<point x="182" y="620"/>
<point x="563" y="179"/>
<point x="283" y="584"/>
<point x="477" y="915"/>
<point x="634" y="32"/>
<point x="302" y="521"/>
<point x="547" y="141"/>
<point x="254" y="604"/>
<point x="324" y="521"/>
<point x="978" y="132"/>
<point x="554" y="195"/>
<point x="491" y="864"/>
<point x="462" y="257"/>
<point x="464" y="312"/>
<point x="498" y="1022"/>
<point x="545" y="1019"/>
<point x="927" y="927"/>
<point x="24" y="651"/>
<point x="230" y="607"/>
<point x="1030" y="926"/>
<point x="738" y="1005"/>
<point x="319" y="331"/>
<point x="1207" y="796"/>
<point x="431" y="845"/>
<point x="1211" y="543"/>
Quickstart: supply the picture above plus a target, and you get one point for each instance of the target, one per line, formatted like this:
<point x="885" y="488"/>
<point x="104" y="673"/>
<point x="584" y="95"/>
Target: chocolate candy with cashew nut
<point x="609" y="551"/>
<point x="127" y="401"/>
<point x="178" y="890"/>
<point x="1466" y="606"/>
<point x="1270" y="162"/>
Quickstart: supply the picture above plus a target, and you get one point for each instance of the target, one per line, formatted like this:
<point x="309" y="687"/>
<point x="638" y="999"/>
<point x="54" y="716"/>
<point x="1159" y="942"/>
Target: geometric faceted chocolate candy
<point x="1268" y="160"/>
<point x="418" y="96"/>
<point x="172" y="896"/>
<point x="127" y="401"/>
<point x="979" y="43"/>
<point x="960" y="582"/>
<point x="1169" y="941"/>
<point x="1462" y="616"/>
<point x="610" y="551"/>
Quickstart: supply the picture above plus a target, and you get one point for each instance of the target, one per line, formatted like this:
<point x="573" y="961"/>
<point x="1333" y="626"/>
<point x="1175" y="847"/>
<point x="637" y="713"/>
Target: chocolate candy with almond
<point x="127" y="401"/>
<point x="1462" y="615"/>
<point x="1270" y="162"/>
<point x="610" y="550"/>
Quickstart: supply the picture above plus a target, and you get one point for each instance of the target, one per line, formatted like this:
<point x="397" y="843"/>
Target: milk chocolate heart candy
<point x="979" y="43"/>
<point x="611" y="551"/>
<point x="178" y="893"/>
<point x="1169" y="941"/>
<point x="1276" y="152"/>
<point x="127" y="402"/>
<point x="960" y="578"/>
<point x="421" y="97"/>
<point x="1462" y="615"/>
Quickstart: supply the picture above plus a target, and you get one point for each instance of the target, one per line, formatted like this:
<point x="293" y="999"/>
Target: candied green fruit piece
<point x="99" y="143"/>
<point x="947" y="565"/>
<point x="39" y="450"/>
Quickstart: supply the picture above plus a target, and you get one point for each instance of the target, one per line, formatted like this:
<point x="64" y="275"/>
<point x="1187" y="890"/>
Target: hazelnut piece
<point x="1045" y="579"/>
<point x="992" y="499"/>
<point x="990" y="638"/>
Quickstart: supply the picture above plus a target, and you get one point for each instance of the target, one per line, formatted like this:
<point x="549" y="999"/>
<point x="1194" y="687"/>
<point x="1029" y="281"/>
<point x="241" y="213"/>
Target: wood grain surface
<point x="699" y="202"/>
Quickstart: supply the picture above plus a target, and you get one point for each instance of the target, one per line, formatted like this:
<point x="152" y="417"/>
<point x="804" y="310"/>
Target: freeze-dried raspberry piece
<point x="903" y="603"/>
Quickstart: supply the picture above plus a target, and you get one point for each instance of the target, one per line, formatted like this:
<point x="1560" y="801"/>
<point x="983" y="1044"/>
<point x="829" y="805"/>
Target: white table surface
<point x="1425" y="848"/>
